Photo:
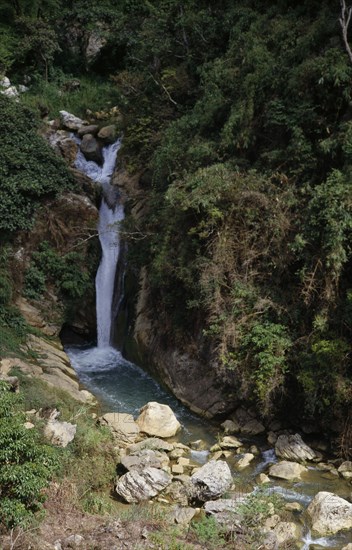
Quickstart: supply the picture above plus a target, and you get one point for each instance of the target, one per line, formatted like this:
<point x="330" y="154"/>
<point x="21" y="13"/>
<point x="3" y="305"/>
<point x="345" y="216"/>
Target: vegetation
<point x="239" y="116"/>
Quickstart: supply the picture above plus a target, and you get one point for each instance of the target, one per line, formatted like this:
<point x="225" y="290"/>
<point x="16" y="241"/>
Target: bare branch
<point x="345" y="19"/>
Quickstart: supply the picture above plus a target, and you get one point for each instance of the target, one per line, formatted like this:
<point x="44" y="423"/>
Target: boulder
<point x="212" y="480"/>
<point x="152" y="443"/>
<point x="262" y="478"/>
<point x="96" y="41"/>
<point x="138" y="486"/>
<point x="292" y="447"/>
<point x="92" y="129"/>
<point x="287" y="470"/>
<point x="107" y="134"/>
<point x="183" y="515"/>
<point x="157" y="419"/>
<point x="287" y="531"/>
<point x="91" y="148"/>
<point x="11" y="91"/>
<point x="70" y="121"/>
<point x="244" y="461"/>
<point x="5" y="82"/>
<point x="253" y="427"/>
<point x="60" y="433"/>
<point x="230" y="442"/>
<point x="68" y="149"/>
<point x="329" y="514"/>
<point x="230" y="427"/>
<point x="144" y="459"/>
<point x="123" y="427"/>
<point x="346" y="469"/>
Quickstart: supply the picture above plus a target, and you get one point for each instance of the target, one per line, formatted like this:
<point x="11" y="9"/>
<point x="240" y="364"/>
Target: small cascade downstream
<point x="122" y="386"/>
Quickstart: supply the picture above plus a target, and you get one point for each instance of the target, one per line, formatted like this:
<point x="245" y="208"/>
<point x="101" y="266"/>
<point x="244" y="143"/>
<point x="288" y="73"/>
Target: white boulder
<point x="60" y="433"/>
<point x="212" y="480"/>
<point x="329" y="514"/>
<point x="157" y="419"/>
<point x="137" y="486"/>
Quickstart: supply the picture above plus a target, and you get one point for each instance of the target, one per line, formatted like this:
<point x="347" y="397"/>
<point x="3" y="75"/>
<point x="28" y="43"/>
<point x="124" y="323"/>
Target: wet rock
<point x="329" y="514"/>
<point x="292" y="447"/>
<point x="253" y="427"/>
<point x="230" y="427"/>
<point x="230" y="442"/>
<point x="244" y="461"/>
<point x="145" y="458"/>
<point x="262" y="478"/>
<point x="212" y="480"/>
<point x="107" y="134"/>
<point x="293" y="507"/>
<point x="60" y="433"/>
<point x="70" y="121"/>
<point x="346" y="469"/>
<point x="92" y="129"/>
<point x="124" y="429"/>
<point x="287" y="470"/>
<point x="138" y="486"/>
<point x="91" y="148"/>
<point x="157" y="419"/>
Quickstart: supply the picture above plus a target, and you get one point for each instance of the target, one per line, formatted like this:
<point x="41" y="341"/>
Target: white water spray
<point x="110" y="214"/>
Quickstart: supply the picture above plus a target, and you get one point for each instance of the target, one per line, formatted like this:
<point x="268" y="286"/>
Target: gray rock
<point x="5" y="82"/>
<point x="287" y="531"/>
<point x="154" y="444"/>
<point x="292" y="447"/>
<point x="96" y="41"/>
<point x="287" y="470"/>
<point x="123" y="427"/>
<point x="230" y="427"/>
<point x="225" y="511"/>
<point x="212" y="480"/>
<point x="144" y="459"/>
<point x="91" y="148"/>
<point x="60" y="433"/>
<point x="11" y="91"/>
<point x="138" y="486"/>
<point x="253" y="427"/>
<point x="346" y="469"/>
<point x="73" y="541"/>
<point x="329" y="514"/>
<point x="183" y="514"/>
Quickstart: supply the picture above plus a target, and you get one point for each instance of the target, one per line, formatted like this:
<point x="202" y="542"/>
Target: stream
<point x="121" y="386"/>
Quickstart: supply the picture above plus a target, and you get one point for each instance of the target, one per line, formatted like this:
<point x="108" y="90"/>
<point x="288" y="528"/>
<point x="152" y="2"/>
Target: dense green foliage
<point x="29" y="169"/>
<point x="239" y="113"/>
<point x="26" y="464"/>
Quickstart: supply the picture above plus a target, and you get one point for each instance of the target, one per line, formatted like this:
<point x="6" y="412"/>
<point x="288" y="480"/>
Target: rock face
<point x="60" y="433"/>
<point x="329" y="514"/>
<point x="137" y="486"/>
<point x="96" y="41"/>
<point x="157" y="419"/>
<point x="287" y="470"/>
<point x="292" y="447"/>
<point x="91" y="148"/>
<point x="123" y="427"/>
<point x="212" y="480"/>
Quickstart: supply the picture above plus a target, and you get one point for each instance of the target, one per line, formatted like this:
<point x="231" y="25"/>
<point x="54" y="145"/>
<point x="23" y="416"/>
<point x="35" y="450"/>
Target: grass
<point x="92" y="94"/>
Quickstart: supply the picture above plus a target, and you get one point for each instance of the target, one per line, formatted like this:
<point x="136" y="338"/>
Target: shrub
<point x="26" y="465"/>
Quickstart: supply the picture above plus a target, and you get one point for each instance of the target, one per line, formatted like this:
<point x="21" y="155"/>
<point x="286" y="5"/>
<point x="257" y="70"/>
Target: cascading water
<point x="110" y="214"/>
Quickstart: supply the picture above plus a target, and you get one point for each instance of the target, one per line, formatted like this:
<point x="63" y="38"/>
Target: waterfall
<point x="110" y="214"/>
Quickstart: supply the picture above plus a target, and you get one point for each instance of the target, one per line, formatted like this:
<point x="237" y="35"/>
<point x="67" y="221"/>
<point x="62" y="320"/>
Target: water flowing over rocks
<point x="212" y="480"/>
<point x="292" y="447"/>
<point x="157" y="419"/>
<point x="329" y="514"/>
<point x="138" y="486"/>
<point x="287" y="470"/>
